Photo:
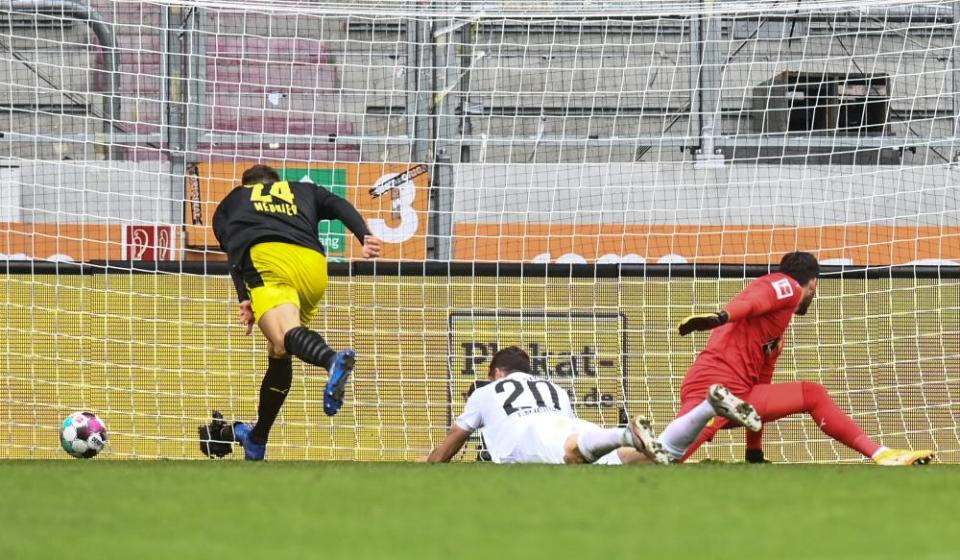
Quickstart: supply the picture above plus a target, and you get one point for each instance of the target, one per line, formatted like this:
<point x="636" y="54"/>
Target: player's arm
<point x="336" y="208"/>
<point x="243" y="294"/>
<point x="450" y="446"/>
<point x="220" y="231"/>
<point x="465" y="424"/>
<point x="749" y="303"/>
<point x="245" y="308"/>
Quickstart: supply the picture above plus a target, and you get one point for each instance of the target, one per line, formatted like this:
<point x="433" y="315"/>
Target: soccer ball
<point x="83" y="435"/>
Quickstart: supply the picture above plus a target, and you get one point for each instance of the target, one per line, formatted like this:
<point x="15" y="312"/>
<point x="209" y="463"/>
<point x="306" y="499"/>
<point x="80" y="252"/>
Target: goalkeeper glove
<point x="755" y="456"/>
<point x="702" y="322"/>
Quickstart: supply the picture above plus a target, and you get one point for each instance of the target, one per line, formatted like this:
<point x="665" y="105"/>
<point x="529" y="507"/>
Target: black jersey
<point x="282" y="211"/>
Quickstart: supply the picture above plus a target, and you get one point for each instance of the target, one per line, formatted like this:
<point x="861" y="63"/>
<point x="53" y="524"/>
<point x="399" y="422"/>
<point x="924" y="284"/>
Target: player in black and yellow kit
<point x="268" y="228"/>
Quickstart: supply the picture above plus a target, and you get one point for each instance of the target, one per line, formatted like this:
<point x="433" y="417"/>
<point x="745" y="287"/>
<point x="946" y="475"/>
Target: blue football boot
<point x="252" y="451"/>
<point x="340" y="371"/>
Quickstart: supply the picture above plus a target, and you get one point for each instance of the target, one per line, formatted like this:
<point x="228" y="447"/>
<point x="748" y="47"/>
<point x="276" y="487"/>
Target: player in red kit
<point x="732" y="376"/>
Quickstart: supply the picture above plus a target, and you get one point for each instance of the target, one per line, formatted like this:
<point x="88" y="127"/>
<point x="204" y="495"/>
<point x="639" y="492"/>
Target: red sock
<point x="833" y="421"/>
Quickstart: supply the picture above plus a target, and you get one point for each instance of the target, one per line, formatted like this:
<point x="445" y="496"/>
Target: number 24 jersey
<point x="281" y="211"/>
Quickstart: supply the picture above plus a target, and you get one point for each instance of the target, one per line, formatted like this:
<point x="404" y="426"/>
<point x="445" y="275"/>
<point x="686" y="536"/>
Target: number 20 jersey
<point x="507" y="408"/>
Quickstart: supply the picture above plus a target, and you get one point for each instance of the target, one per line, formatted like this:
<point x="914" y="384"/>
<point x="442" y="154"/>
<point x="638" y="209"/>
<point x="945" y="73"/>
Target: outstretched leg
<point x="309" y="346"/>
<point x="283" y="328"/>
<point x="281" y="325"/>
<point x="775" y="401"/>
<point x="779" y="400"/>
<point x="593" y="442"/>
<point x="690" y="420"/>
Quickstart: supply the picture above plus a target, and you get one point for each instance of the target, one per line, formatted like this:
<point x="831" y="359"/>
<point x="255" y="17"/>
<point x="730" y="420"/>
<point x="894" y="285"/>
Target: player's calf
<point x="273" y="392"/>
<point x="590" y="444"/>
<point x="593" y="442"/>
<point x="733" y="408"/>
<point x="309" y="346"/>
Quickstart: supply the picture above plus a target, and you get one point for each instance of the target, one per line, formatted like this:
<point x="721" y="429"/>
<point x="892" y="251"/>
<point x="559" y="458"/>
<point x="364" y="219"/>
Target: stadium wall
<point x="673" y="212"/>
<point x="891" y="215"/>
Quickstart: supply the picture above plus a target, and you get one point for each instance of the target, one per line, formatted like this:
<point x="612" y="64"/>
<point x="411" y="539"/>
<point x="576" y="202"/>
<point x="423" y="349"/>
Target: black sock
<point x="309" y="346"/>
<point x="273" y="391"/>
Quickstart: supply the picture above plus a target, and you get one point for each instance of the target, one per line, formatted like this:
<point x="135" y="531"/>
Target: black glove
<point x="216" y="438"/>
<point x="754" y="456"/>
<point x="702" y="322"/>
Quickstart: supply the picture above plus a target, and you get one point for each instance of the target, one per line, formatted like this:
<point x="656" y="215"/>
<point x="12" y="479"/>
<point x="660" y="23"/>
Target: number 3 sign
<point x="402" y="194"/>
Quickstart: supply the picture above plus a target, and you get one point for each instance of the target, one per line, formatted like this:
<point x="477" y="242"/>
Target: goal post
<point x="570" y="177"/>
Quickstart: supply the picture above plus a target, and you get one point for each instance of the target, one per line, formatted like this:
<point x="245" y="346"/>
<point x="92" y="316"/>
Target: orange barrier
<point x="397" y="212"/>
<point x="80" y="242"/>
<point x="760" y="244"/>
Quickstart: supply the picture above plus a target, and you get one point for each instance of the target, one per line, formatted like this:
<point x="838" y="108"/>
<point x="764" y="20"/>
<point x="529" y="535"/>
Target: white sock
<point x="683" y="431"/>
<point x="594" y="443"/>
<point x="879" y="451"/>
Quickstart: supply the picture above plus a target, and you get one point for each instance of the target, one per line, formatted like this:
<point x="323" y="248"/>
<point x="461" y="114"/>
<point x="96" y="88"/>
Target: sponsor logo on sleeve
<point x="783" y="289"/>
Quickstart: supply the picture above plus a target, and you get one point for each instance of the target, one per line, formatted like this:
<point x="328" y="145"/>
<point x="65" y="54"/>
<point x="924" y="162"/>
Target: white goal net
<point x="570" y="177"/>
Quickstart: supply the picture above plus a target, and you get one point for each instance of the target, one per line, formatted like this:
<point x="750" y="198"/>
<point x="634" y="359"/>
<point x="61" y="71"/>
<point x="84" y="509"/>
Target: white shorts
<point x="544" y="438"/>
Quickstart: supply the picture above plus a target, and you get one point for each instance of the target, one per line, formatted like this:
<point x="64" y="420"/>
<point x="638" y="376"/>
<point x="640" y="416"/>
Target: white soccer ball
<point x="83" y="435"/>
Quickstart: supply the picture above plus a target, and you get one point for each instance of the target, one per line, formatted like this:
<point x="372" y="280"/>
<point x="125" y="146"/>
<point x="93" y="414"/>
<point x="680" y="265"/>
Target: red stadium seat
<point x="242" y="74"/>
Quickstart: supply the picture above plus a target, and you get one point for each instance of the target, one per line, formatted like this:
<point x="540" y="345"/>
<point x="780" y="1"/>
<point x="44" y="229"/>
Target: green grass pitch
<point x="230" y="509"/>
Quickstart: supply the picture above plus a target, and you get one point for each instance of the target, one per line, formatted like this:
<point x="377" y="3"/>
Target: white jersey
<point x="517" y="414"/>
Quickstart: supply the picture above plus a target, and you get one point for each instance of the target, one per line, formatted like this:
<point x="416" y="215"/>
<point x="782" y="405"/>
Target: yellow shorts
<point x="290" y="274"/>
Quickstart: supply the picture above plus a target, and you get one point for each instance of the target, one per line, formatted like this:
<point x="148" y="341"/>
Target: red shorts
<point x="771" y="401"/>
<point x="699" y="380"/>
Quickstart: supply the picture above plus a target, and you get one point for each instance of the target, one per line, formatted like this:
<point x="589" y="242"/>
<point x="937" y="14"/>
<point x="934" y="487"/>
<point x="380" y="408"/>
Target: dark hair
<point x="801" y="266"/>
<point x="260" y="174"/>
<point x="511" y="359"/>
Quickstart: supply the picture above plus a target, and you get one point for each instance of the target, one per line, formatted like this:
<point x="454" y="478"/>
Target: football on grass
<point x="83" y="435"/>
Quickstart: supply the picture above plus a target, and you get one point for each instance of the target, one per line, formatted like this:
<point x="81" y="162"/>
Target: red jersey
<point x="744" y="351"/>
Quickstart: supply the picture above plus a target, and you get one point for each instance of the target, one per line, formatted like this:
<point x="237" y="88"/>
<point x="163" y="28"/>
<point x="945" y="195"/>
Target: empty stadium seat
<point x="242" y="74"/>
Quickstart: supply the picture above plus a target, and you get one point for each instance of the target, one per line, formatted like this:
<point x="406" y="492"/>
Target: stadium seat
<point x="254" y="85"/>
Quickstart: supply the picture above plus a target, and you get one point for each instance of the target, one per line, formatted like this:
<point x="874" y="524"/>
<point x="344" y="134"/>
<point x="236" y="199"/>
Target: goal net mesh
<point x="570" y="177"/>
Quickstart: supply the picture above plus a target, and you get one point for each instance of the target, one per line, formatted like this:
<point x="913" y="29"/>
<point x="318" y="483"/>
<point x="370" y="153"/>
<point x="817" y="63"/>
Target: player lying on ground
<point x="731" y="376"/>
<point x="525" y="419"/>
<point x="268" y="228"/>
